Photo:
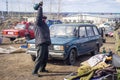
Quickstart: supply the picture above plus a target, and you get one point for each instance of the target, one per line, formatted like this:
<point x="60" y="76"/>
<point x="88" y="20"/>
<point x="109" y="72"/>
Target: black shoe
<point x="44" y="71"/>
<point x="36" y="74"/>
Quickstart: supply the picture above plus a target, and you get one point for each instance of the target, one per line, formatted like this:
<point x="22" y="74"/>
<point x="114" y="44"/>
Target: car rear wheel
<point x="71" y="58"/>
<point x="12" y="39"/>
<point x="96" y="51"/>
<point x="33" y="57"/>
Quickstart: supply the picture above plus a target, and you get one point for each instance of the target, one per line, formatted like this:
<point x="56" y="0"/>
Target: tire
<point x="104" y="40"/>
<point x="12" y="39"/>
<point x="96" y="51"/>
<point x="33" y="57"/>
<point x="27" y="37"/>
<point x="71" y="58"/>
<point x="106" y="35"/>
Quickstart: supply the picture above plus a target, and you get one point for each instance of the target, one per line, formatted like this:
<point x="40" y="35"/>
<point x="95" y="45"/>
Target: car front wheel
<point x="71" y="58"/>
<point x="96" y="51"/>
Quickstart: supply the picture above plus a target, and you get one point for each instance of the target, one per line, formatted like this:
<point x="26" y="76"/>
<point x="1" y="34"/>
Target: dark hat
<point x="44" y="17"/>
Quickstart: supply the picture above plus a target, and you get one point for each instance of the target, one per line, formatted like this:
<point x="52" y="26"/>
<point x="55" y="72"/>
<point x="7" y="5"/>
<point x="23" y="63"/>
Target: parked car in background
<point x="104" y="25"/>
<point x="51" y="22"/>
<point x="23" y="29"/>
<point x="70" y="41"/>
<point x="108" y="29"/>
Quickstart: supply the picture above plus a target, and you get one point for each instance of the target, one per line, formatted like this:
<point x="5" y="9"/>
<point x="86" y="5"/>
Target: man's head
<point x="44" y="18"/>
<point x="41" y="3"/>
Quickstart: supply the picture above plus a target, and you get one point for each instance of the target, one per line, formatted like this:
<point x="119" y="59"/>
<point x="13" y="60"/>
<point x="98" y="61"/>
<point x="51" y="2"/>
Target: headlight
<point x="31" y="45"/>
<point x="58" y="47"/>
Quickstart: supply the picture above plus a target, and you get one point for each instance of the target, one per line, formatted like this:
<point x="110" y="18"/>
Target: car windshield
<point x="20" y="26"/>
<point x="63" y="31"/>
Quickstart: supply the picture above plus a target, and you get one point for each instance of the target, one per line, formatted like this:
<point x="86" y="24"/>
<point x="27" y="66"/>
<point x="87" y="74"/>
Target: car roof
<point x="74" y="24"/>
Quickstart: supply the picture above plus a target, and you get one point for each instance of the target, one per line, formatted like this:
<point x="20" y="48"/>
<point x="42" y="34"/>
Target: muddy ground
<point x="18" y="66"/>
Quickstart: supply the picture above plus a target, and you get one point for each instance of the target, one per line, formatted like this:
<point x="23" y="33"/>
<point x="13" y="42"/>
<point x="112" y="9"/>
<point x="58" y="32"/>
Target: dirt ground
<point x="18" y="66"/>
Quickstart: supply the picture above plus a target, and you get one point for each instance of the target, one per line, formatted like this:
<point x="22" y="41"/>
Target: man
<point x="42" y="41"/>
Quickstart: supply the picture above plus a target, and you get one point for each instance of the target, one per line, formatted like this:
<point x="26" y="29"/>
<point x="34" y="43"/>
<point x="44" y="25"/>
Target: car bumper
<point x="10" y="36"/>
<point x="55" y="55"/>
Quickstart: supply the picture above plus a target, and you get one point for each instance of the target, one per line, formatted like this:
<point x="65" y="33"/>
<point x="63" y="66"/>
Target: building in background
<point x="91" y="18"/>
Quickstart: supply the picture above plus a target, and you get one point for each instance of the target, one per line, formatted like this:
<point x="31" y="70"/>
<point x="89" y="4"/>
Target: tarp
<point x="11" y="50"/>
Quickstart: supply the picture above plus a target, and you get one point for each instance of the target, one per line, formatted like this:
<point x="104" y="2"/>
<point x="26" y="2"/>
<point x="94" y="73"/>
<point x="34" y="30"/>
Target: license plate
<point x="10" y="32"/>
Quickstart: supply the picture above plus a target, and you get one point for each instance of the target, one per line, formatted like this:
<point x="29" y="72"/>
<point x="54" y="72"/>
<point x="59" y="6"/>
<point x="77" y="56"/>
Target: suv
<point x="70" y="41"/>
<point x="20" y="30"/>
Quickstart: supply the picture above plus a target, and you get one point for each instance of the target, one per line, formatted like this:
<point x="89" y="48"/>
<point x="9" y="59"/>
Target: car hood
<point x="56" y="40"/>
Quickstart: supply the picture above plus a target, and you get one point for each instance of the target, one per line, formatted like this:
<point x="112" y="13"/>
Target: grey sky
<point x="65" y="6"/>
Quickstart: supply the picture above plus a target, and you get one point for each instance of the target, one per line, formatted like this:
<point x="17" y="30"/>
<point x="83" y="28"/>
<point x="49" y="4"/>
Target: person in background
<point x="42" y="41"/>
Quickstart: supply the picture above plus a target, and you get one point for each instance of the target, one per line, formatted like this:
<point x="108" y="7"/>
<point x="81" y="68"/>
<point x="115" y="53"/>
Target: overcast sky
<point x="112" y="6"/>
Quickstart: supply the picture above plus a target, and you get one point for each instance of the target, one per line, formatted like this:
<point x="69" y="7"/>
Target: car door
<point x="82" y="41"/>
<point x="92" y="38"/>
<point x="98" y="37"/>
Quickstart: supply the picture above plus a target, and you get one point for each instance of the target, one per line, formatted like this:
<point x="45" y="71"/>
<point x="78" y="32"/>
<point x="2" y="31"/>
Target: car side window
<point x="75" y="31"/>
<point x="31" y="27"/>
<point x="95" y="31"/>
<point x="90" y="31"/>
<point x="82" y="32"/>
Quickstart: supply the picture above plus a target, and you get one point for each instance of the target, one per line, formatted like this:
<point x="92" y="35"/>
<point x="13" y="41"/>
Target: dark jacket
<point x="41" y="30"/>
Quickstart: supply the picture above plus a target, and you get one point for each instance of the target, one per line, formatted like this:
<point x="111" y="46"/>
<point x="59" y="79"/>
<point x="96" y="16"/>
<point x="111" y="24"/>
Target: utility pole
<point x="25" y="13"/>
<point x="33" y="1"/>
<point x="19" y="9"/>
<point x="50" y="9"/>
<point x="7" y="7"/>
<point x="10" y="2"/>
<point x="59" y="5"/>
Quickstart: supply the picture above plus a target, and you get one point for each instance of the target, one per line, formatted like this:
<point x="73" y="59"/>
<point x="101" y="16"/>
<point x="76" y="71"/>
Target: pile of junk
<point x="103" y="66"/>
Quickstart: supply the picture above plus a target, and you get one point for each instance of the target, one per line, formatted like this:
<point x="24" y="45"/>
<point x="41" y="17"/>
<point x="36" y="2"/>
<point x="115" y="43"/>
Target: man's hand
<point x="41" y="3"/>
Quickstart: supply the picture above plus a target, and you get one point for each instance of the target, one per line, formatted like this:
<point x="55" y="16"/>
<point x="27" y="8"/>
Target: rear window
<point x="20" y="26"/>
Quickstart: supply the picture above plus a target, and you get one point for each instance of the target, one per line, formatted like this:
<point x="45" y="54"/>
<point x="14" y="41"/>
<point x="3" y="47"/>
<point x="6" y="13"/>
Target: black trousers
<point x="42" y="58"/>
